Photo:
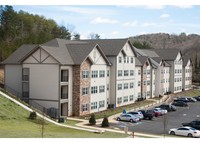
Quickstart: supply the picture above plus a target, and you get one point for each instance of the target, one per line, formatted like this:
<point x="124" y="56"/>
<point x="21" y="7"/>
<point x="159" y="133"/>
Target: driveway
<point x="171" y="120"/>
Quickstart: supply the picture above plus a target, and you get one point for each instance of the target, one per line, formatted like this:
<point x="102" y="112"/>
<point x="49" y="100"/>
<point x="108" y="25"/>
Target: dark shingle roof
<point x="142" y="59"/>
<point x="167" y="54"/>
<point x="111" y="47"/>
<point x="137" y="62"/>
<point x="185" y="60"/>
<point x="19" y="54"/>
<point x="149" y="52"/>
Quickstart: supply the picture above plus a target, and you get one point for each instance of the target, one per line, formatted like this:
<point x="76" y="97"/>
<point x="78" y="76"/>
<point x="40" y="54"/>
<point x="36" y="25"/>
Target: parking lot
<point x="168" y="121"/>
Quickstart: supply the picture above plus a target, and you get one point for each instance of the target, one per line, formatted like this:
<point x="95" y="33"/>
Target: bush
<point x="92" y="120"/>
<point x="33" y="116"/>
<point x="105" y="122"/>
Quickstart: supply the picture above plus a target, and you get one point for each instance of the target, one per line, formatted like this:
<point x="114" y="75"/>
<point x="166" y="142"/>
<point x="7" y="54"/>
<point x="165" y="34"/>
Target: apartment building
<point x="67" y="75"/>
<point x="187" y="73"/>
<point x="88" y="76"/>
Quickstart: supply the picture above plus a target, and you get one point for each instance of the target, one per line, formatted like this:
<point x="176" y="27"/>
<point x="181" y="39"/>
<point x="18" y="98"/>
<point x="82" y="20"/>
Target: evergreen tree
<point x="105" y="122"/>
<point x="92" y="120"/>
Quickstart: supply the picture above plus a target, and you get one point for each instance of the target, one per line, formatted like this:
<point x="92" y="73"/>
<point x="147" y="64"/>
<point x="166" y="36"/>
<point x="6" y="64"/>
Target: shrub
<point x="92" y="120"/>
<point x="33" y="116"/>
<point x="105" y="122"/>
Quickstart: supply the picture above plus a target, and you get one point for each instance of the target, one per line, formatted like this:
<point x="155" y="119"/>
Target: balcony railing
<point x="64" y="96"/>
<point x="64" y="78"/>
<point x="25" y="77"/>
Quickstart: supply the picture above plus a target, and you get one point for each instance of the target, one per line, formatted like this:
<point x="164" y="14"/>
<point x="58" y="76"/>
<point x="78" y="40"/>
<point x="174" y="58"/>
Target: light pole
<point x="165" y="121"/>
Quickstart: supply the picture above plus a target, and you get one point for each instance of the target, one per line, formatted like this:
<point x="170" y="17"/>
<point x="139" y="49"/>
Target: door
<point x="64" y="109"/>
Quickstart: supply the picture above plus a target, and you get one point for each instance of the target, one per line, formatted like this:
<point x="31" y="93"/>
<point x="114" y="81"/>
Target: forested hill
<point x="188" y="44"/>
<point x="17" y="28"/>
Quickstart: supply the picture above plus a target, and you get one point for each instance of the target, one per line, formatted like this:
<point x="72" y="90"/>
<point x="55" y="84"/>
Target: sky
<point x="121" y="21"/>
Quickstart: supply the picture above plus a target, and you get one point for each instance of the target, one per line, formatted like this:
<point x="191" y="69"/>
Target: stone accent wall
<point x="144" y="77"/>
<point x="86" y="65"/>
<point x="76" y="91"/>
<point x="78" y="84"/>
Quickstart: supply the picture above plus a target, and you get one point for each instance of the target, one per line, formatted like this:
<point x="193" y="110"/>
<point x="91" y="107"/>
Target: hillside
<point x="188" y="44"/>
<point x="15" y="124"/>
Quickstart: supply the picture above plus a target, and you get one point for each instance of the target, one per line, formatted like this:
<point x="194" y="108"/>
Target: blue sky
<point x="121" y="21"/>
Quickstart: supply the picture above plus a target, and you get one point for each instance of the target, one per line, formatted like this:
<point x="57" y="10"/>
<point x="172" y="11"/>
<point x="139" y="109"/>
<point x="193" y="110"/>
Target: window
<point x="139" y="83"/>
<point x="85" y="90"/>
<point x="145" y="82"/>
<point x="148" y="71"/>
<point x="148" y="93"/>
<point x="119" y="73"/>
<point x="145" y="72"/>
<point x="94" y="74"/>
<point x="94" y="89"/>
<point x="84" y="107"/>
<point x="107" y="86"/>
<point x="127" y="59"/>
<point x="131" y="98"/>
<point x="125" y="85"/>
<point x="119" y="100"/>
<point x="101" y="89"/>
<point x="148" y="82"/>
<point x="131" y="85"/>
<point x="108" y="73"/>
<point x="119" y="86"/>
<point x="139" y="72"/>
<point x="101" y="73"/>
<point x="124" y="59"/>
<point x="102" y="104"/>
<point x="120" y="59"/>
<point x="131" y="59"/>
<point x="131" y="72"/>
<point x="93" y="105"/>
<point x="85" y="74"/>
<point x="139" y="94"/>
<point x="125" y="72"/>
<point x="125" y="99"/>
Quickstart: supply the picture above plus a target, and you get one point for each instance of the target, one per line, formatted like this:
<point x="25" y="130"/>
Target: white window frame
<point x="94" y="89"/>
<point x="101" y="88"/>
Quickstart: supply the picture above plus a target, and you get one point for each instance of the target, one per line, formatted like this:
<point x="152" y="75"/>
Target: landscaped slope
<point x="14" y="123"/>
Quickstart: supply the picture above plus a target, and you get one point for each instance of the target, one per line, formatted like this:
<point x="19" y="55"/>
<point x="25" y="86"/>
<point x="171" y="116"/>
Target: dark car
<point x="197" y="98"/>
<point x="167" y="107"/>
<point x="180" y="103"/>
<point x="195" y="124"/>
<point x="148" y="114"/>
<point x="183" y="99"/>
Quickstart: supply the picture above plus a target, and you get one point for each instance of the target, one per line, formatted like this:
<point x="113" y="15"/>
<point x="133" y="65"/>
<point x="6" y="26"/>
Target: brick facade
<point x="78" y="83"/>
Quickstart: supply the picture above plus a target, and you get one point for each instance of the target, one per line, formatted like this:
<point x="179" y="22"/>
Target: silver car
<point x="137" y="114"/>
<point x="128" y="117"/>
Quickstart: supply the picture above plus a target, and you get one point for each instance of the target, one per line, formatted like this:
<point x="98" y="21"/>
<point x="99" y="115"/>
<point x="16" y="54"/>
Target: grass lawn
<point x="14" y="124"/>
<point x="190" y="93"/>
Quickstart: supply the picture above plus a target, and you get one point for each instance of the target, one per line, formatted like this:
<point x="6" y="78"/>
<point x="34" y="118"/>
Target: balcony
<point x="64" y="95"/>
<point x="64" y="78"/>
<point x="25" y="78"/>
<point x="25" y="94"/>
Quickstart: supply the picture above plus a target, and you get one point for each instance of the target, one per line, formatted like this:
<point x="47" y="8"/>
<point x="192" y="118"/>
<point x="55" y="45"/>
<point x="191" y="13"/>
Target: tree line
<point x="17" y="28"/>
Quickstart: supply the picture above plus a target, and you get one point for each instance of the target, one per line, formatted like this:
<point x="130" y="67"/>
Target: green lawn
<point x="14" y="124"/>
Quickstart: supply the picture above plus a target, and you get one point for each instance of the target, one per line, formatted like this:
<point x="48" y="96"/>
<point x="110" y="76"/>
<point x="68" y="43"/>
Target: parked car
<point x="167" y="107"/>
<point x="184" y="99"/>
<point x="195" y="124"/>
<point x="180" y="103"/>
<point x="138" y="114"/>
<point x="197" y="98"/>
<point x="185" y="131"/>
<point x="157" y="112"/>
<point x="191" y="99"/>
<point x="128" y="117"/>
<point x="163" y="111"/>
<point x="148" y="114"/>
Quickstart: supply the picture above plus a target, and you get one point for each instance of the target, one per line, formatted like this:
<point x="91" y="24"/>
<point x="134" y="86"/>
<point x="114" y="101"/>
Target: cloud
<point x="164" y="16"/>
<point x="130" y="24"/>
<point x="183" y="6"/>
<point x="103" y="20"/>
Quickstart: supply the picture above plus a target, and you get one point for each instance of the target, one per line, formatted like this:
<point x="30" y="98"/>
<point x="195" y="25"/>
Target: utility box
<point x="61" y="120"/>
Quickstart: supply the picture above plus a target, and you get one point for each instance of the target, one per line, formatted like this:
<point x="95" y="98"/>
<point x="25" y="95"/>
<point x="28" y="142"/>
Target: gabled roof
<point x="168" y="54"/>
<point x="111" y="47"/>
<point x="149" y="52"/>
<point x="139" y="52"/>
<point x="79" y="52"/>
<point x="185" y="60"/>
<point x="137" y="62"/>
<point x="19" y="54"/>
